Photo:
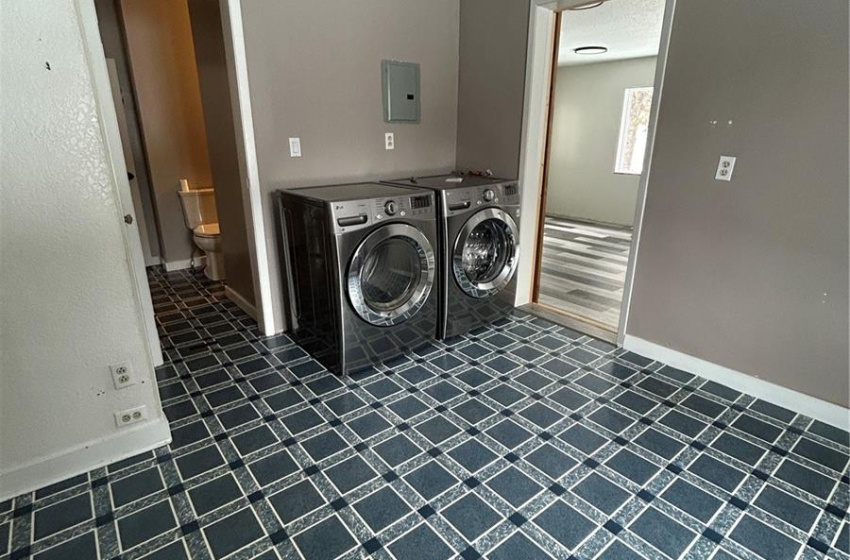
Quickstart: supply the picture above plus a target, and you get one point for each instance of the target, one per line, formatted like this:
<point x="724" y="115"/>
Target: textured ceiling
<point x="629" y="28"/>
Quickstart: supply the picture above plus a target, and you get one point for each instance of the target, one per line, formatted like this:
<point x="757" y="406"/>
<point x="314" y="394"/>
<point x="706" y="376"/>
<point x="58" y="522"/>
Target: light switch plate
<point x="294" y="147"/>
<point x="725" y="167"/>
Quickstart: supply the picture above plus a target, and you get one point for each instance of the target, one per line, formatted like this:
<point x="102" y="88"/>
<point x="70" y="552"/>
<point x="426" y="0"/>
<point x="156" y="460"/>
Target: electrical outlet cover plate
<point x="725" y="167"/>
<point x="122" y="375"/>
<point x="131" y="416"/>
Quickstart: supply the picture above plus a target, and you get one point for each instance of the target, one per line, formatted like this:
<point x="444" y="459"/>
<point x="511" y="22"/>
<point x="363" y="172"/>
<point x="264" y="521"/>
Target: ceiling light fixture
<point x="586" y="5"/>
<point x="591" y="50"/>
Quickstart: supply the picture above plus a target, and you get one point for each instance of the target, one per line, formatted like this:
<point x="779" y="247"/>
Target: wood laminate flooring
<point x="584" y="269"/>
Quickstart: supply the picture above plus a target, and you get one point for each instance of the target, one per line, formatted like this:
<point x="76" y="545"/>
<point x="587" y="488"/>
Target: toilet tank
<point x="198" y="207"/>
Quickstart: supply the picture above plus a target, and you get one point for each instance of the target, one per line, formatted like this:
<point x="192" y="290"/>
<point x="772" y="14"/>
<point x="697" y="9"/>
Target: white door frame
<point x="234" y="43"/>
<point x="243" y="120"/>
<point x="541" y="50"/>
<point x="108" y="119"/>
<point x="118" y="98"/>
<point x="660" y="71"/>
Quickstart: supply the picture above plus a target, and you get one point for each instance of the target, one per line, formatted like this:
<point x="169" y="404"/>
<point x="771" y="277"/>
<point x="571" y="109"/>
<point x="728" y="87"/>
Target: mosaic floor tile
<point x="764" y="541"/>
<point x="382" y="509"/>
<point x="565" y="524"/>
<point x="692" y="500"/>
<point x="662" y="532"/>
<point x="423" y="543"/>
<point x="471" y="516"/>
<point x="521" y="440"/>
<point x="233" y="533"/>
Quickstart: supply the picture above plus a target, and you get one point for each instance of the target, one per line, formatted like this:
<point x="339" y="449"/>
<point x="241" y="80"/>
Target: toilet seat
<point x="207" y="230"/>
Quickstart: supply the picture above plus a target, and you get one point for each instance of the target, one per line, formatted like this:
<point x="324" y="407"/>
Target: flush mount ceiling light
<point x="591" y="50"/>
<point x="587" y="5"/>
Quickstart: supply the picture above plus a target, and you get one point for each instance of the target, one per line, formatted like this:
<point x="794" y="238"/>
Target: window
<point x="631" y="146"/>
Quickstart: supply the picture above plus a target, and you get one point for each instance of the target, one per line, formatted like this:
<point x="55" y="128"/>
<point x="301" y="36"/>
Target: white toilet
<point x="201" y="216"/>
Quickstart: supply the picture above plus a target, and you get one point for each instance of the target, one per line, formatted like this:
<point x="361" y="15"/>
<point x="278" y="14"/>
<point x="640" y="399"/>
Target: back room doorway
<point x="602" y="86"/>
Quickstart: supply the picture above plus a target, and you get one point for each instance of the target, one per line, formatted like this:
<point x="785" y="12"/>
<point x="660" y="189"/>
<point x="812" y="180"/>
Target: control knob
<point x="390" y="208"/>
<point x="489" y="195"/>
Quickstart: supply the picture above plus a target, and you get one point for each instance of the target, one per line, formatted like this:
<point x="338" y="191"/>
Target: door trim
<point x="102" y="91"/>
<point x="544" y="180"/>
<point x="660" y="71"/>
<point x="538" y="75"/>
<point x="243" y="120"/>
<point x="536" y="112"/>
<point x="118" y="100"/>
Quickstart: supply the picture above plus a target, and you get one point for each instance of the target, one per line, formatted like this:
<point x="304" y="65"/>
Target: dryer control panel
<point x="355" y="214"/>
<point x="461" y="200"/>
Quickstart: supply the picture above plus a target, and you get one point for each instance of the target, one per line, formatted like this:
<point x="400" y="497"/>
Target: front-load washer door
<point x="391" y="274"/>
<point x="486" y="253"/>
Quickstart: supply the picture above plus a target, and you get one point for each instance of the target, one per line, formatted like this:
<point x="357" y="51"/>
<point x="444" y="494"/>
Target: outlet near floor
<point x="131" y="416"/>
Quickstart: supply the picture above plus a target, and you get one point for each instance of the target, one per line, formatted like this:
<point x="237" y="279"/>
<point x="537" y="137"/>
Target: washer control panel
<point x="460" y="200"/>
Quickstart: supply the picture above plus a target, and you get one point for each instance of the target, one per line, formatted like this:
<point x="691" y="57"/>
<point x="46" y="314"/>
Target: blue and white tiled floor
<point x="520" y="441"/>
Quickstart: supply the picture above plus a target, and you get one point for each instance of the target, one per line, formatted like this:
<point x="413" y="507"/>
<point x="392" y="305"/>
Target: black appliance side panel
<point x="313" y="299"/>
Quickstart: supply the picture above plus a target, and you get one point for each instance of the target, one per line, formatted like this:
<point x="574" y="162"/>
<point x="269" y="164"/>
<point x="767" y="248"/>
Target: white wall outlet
<point x="389" y="141"/>
<point x="294" y="147"/>
<point x="122" y="375"/>
<point x="725" y="167"/>
<point x="131" y="416"/>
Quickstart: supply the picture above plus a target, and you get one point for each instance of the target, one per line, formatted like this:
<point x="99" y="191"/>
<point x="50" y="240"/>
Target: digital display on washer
<point x="510" y="190"/>
<point x="420" y="202"/>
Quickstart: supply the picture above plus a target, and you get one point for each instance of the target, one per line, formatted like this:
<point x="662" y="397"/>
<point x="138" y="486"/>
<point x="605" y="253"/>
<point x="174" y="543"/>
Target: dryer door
<point x="486" y="253"/>
<point x="391" y="274"/>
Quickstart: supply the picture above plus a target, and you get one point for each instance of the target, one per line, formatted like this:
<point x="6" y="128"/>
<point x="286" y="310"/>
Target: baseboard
<point x="172" y="266"/>
<point x="239" y="300"/>
<point x="564" y="319"/>
<point x="79" y="460"/>
<point x="152" y="261"/>
<point x="801" y="403"/>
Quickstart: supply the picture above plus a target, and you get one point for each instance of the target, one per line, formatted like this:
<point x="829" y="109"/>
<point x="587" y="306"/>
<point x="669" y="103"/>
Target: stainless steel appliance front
<point x="359" y="271"/>
<point x="479" y="248"/>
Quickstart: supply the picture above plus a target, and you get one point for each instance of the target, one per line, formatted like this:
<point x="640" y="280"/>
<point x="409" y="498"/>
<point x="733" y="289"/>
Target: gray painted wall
<point x="752" y="274"/>
<point x="315" y="73"/>
<point x="587" y="112"/>
<point x="210" y="59"/>
<point x="491" y="84"/>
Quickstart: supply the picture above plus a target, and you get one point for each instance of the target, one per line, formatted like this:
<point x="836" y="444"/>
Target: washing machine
<point x="478" y="248"/>
<point x="359" y="271"/>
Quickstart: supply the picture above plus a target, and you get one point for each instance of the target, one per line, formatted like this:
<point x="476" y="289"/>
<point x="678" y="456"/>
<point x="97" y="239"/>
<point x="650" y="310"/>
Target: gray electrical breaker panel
<point x="401" y="91"/>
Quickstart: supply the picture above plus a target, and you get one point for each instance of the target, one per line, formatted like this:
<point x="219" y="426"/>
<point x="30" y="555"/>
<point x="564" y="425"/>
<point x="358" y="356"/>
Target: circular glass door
<point x="485" y="253"/>
<point x="391" y="274"/>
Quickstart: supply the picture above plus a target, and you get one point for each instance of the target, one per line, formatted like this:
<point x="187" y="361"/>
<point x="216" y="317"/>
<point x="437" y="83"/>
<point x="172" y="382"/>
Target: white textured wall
<point x="588" y="110"/>
<point x="67" y="302"/>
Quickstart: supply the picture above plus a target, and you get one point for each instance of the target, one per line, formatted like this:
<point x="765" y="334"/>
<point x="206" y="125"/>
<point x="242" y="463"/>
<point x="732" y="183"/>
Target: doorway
<point x="171" y="89"/>
<point x="602" y="82"/>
